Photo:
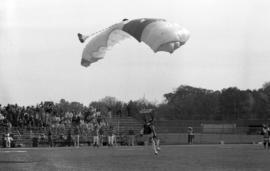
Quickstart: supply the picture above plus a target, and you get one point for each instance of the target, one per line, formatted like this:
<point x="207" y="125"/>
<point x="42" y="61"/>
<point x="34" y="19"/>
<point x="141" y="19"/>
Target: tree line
<point x="191" y="103"/>
<point x="185" y="102"/>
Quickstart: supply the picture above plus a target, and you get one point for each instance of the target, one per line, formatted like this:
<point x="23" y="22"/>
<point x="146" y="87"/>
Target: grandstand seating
<point x="173" y="131"/>
<point x="123" y="124"/>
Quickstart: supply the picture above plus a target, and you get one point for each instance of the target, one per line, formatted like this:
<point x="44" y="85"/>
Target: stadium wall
<point x="181" y="138"/>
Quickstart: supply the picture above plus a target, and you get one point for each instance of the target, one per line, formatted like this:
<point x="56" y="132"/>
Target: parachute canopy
<point x="158" y="34"/>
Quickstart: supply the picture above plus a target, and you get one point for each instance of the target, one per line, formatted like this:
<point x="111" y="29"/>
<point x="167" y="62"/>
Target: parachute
<point x="158" y="34"/>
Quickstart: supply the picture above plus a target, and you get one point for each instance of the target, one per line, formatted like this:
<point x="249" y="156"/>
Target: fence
<point x="170" y="132"/>
<point x="170" y="135"/>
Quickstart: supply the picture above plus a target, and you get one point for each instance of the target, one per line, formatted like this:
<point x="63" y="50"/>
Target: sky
<point x="40" y="54"/>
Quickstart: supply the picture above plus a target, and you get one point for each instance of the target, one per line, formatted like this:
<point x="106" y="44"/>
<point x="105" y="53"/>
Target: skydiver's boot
<point x="157" y="144"/>
<point x="154" y="146"/>
<point x="82" y="37"/>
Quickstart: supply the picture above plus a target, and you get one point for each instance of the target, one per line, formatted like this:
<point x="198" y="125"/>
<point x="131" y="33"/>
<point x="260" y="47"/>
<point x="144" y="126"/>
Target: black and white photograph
<point x="142" y="85"/>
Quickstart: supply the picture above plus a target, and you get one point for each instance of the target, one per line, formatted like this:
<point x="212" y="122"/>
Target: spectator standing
<point x="73" y="120"/>
<point x="69" y="138"/>
<point x="265" y="133"/>
<point x="131" y="137"/>
<point x="78" y="120"/>
<point x="77" y="136"/>
<point x="8" y="140"/>
<point x="190" y="135"/>
<point x="110" y="136"/>
<point x="101" y="135"/>
<point x="50" y="138"/>
<point x="96" y="131"/>
<point x="8" y="126"/>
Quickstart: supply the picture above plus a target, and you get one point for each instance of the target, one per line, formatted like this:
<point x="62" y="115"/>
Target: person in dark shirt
<point x="74" y="120"/>
<point x="77" y="136"/>
<point x="111" y="136"/>
<point x="101" y="136"/>
<point x="265" y="132"/>
<point x="50" y="138"/>
<point x="149" y="132"/>
<point x="69" y="138"/>
<point x="131" y="138"/>
<point x="190" y="135"/>
<point x="78" y="120"/>
<point x="96" y="131"/>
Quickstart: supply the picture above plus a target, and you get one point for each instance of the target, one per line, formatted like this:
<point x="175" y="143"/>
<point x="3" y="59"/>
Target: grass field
<point x="181" y="157"/>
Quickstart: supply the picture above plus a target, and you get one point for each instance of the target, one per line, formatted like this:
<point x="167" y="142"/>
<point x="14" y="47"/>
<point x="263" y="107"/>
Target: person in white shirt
<point x="8" y="140"/>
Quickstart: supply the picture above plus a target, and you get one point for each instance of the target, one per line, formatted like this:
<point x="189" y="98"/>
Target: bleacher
<point x="173" y="131"/>
<point x="176" y="126"/>
<point x="123" y="124"/>
<point x="22" y="136"/>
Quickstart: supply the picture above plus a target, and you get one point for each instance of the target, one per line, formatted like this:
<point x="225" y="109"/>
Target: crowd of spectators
<point x="69" y="126"/>
<point x="24" y="117"/>
<point x="42" y="115"/>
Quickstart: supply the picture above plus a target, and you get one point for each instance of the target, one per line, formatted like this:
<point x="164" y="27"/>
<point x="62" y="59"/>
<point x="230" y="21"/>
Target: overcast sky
<point x="40" y="54"/>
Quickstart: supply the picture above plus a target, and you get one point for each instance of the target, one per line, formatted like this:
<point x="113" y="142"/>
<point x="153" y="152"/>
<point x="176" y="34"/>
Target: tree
<point x="188" y="102"/>
<point x="266" y="90"/>
<point x="132" y="108"/>
<point x="261" y="104"/>
<point x="230" y="103"/>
